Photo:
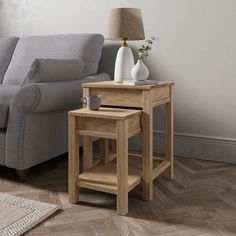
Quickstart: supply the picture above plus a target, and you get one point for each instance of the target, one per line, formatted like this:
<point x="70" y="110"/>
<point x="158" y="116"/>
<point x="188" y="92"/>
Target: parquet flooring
<point x="200" y="201"/>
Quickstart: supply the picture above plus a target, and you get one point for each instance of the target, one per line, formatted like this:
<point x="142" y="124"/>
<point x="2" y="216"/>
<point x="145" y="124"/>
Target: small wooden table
<point x="107" y="123"/>
<point x="144" y="97"/>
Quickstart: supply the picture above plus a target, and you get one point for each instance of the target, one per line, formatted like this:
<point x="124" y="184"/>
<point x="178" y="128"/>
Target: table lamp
<point x="124" y="24"/>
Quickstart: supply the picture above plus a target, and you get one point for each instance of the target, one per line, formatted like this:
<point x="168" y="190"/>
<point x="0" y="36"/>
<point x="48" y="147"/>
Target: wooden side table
<point x="107" y="123"/>
<point x="144" y="97"/>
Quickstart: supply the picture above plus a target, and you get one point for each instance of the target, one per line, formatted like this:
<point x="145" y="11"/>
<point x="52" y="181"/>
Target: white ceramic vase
<point x="140" y="71"/>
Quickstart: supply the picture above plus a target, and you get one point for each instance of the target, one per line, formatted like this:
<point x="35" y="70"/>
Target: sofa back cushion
<point x="86" y="47"/>
<point x="7" y="47"/>
<point x="54" y="70"/>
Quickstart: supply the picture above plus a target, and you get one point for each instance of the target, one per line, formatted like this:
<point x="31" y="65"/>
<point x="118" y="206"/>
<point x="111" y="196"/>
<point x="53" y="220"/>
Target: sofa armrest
<point x="28" y="109"/>
<point x="44" y="97"/>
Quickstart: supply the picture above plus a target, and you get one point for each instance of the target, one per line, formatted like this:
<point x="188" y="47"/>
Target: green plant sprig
<point x="145" y="48"/>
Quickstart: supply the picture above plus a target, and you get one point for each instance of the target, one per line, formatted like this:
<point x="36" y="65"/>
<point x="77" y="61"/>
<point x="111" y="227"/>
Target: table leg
<point x="147" y="147"/>
<point x="104" y="150"/>
<point x="87" y="152"/>
<point x="122" y="168"/>
<point x="113" y="146"/>
<point x="86" y="93"/>
<point x="73" y="160"/>
<point x="169" y="136"/>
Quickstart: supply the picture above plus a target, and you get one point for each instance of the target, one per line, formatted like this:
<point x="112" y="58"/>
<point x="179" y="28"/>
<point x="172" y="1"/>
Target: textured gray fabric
<point x="45" y="137"/>
<point x="97" y="77"/>
<point x="7" y="92"/>
<point x="42" y="97"/>
<point x="54" y="70"/>
<point x="37" y="125"/>
<point x="87" y="47"/>
<point x="7" y="47"/>
<point x="2" y="146"/>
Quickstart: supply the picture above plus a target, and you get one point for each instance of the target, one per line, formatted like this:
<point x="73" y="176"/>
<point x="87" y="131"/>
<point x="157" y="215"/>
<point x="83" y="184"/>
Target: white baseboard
<point x="194" y="146"/>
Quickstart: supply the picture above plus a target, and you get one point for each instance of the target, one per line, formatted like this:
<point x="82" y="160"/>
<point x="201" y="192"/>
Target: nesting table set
<point x="126" y="111"/>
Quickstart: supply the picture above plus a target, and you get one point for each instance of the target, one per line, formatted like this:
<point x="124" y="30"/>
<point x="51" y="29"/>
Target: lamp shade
<point x="125" y="23"/>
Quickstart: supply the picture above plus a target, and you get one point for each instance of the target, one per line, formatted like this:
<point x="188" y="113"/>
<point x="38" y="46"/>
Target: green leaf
<point x="145" y="48"/>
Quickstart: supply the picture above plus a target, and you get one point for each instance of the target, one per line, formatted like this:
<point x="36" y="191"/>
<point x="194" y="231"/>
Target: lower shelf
<point x="160" y="164"/>
<point x="103" y="178"/>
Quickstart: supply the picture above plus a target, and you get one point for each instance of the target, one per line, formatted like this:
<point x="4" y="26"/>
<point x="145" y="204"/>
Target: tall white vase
<point x="140" y="71"/>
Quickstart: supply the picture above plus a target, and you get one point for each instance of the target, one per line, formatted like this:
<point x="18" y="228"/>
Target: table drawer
<point x="158" y="94"/>
<point x="107" y="128"/>
<point x="119" y="97"/>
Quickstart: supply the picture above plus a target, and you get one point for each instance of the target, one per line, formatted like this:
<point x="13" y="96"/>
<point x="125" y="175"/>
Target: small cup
<point x="93" y="102"/>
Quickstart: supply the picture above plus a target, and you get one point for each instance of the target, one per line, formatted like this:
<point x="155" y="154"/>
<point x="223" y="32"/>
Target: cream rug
<point x="18" y="215"/>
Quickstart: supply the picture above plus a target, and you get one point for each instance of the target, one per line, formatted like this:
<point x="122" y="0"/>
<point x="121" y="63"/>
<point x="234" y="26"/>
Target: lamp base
<point x="124" y="64"/>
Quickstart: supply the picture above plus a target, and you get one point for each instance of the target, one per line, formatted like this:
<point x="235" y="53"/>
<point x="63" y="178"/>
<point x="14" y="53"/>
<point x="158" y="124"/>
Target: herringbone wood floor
<point x="201" y="200"/>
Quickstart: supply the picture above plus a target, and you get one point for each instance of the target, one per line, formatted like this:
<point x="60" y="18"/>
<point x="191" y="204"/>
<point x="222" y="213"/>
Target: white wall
<point x="196" y="49"/>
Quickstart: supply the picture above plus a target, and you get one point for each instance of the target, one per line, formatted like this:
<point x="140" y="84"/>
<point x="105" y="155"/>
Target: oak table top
<point x="112" y="84"/>
<point x="103" y="112"/>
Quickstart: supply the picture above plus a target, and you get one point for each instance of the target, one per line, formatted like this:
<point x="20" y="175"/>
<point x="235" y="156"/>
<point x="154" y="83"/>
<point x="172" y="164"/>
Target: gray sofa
<point x="34" y="102"/>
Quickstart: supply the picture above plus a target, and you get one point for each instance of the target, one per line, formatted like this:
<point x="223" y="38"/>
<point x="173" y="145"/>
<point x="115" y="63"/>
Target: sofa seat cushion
<point x="7" y="47"/>
<point x="87" y="47"/>
<point x="7" y="93"/>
